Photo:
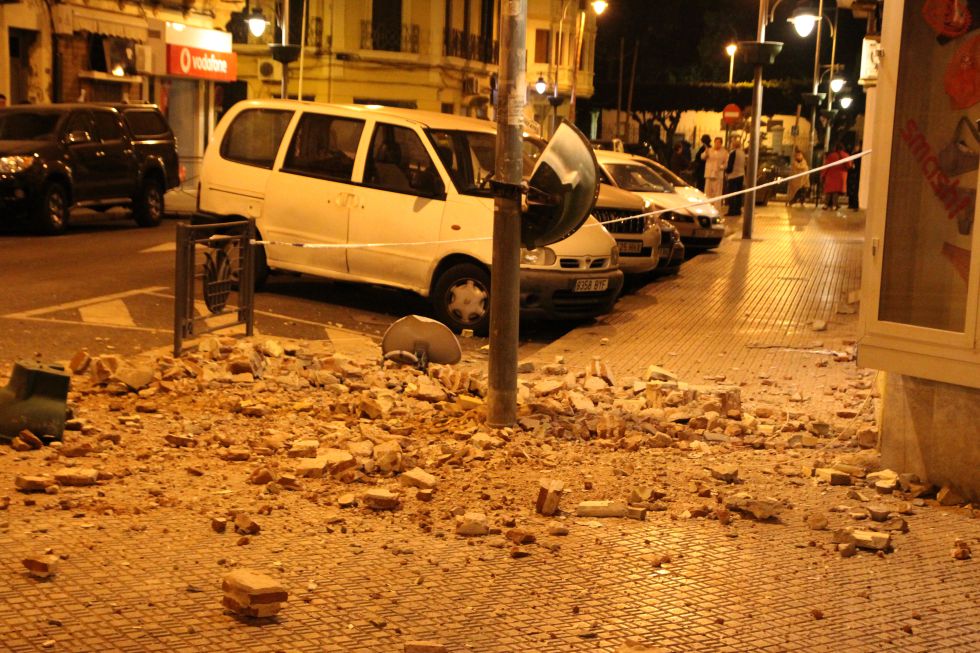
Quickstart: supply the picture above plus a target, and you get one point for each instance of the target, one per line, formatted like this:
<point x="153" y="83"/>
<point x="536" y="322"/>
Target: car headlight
<point x="544" y="256"/>
<point x="614" y="256"/>
<point x="15" y="164"/>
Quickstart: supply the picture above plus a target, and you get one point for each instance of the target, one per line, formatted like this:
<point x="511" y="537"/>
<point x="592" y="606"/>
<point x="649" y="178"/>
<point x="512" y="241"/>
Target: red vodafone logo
<point x="185" y="61"/>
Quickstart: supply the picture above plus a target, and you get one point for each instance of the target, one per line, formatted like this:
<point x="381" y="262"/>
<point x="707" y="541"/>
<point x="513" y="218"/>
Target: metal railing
<point x="218" y="260"/>
<point x="457" y="43"/>
<point x="390" y="38"/>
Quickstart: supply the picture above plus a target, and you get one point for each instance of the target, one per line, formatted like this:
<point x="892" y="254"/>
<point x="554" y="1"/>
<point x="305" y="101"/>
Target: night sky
<point x="682" y="42"/>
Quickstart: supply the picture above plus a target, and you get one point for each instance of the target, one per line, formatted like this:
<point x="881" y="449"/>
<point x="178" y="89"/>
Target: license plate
<point x="591" y="285"/>
<point x="630" y="246"/>
<point x="706" y="233"/>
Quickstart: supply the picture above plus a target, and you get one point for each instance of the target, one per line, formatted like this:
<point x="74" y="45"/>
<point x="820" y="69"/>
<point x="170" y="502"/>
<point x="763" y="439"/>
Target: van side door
<point x="308" y="198"/>
<point x="401" y="201"/>
<point x="82" y="145"/>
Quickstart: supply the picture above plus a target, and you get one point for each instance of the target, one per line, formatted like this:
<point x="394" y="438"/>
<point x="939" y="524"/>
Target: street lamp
<point x="598" y="6"/>
<point x="805" y="18"/>
<point x="846" y="101"/>
<point x="540" y="86"/>
<point x="731" y="49"/>
<point x="256" y="22"/>
<point x="837" y="83"/>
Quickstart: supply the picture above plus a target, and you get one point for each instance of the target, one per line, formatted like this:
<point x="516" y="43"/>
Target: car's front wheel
<point x="51" y="212"/>
<point x="461" y="298"/>
<point x="148" y="203"/>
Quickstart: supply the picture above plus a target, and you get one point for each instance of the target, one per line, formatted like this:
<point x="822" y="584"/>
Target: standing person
<point x="854" y="181"/>
<point x="797" y="189"/>
<point x="735" y="170"/>
<point x="699" y="162"/>
<point x="835" y="177"/>
<point x="715" y="162"/>
<point x="679" y="162"/>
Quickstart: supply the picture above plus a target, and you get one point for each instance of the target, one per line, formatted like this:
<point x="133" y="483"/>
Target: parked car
<point x="59" y="156"/>
<point x="413" y="182"/>
<point x="639" y="239"/>
<point x="699" y="224"/>
<point x="772" y="166"/>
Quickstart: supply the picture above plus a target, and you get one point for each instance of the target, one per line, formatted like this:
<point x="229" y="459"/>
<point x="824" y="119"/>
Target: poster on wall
<point x="935" y="162"/>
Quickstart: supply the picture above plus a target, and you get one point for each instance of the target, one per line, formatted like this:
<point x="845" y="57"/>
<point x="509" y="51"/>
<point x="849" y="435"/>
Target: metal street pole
<point x="576" y="56"/>
<point x="830" y="79"/>
<point x="505" y="279"/>
<point x="619" y="86"/>
<point x="816" y="88"/>
<point x="752" y="174"/>
<point x="285" y="41"/>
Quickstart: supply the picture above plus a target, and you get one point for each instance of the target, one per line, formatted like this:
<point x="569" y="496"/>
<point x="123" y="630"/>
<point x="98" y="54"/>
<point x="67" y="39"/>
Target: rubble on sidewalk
<point x="252" y="594"/>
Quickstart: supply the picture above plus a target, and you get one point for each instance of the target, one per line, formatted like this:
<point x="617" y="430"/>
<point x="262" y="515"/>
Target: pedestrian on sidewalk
<point x="854" y="180"/>
<point x="699" y="162"/>
<point x="715" y="162"/>
<point x="735" y="171"/>
<point x="797" y="189"/>
<point x="678" y="160"/>
<point x="835" y="177"/>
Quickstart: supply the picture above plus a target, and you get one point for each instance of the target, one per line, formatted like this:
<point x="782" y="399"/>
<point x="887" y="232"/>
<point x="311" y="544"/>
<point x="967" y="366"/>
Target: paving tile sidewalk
<point x="746" y="312"/>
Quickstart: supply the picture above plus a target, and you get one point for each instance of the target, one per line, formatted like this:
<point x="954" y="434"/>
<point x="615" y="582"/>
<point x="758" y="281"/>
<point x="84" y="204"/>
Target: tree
<point x="652" y="124"/>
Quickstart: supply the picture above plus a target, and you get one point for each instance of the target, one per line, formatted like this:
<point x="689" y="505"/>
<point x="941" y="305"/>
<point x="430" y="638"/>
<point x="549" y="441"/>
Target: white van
<point x="412" y="185"/>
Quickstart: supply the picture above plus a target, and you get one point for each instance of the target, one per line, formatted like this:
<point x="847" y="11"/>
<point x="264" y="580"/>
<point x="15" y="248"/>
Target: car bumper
<point x="671" y="258"/>
<point x="637" y="256"/>
<point x="15" y="197"/>
<point x="552" y="294"/>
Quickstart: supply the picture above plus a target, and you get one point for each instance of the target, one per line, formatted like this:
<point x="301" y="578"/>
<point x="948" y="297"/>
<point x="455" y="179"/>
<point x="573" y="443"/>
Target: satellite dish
<point x="417" y="340"/>
<point x="562" y="189"/>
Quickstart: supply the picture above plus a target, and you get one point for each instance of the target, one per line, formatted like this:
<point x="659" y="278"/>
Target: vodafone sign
<point x="185" y="61"/>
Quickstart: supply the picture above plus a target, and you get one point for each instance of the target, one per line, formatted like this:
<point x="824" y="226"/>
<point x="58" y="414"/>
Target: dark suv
<point x="58" y="156"/>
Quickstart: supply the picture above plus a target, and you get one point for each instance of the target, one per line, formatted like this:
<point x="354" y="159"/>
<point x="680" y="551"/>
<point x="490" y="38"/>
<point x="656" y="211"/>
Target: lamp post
<point x="598" y="6"/>
<point x="804" y="18"/>
<point x="731" y="49"/>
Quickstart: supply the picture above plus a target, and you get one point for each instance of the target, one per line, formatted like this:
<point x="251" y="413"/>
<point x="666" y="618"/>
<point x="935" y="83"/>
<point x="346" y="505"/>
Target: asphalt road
<point x="107" y="285"/>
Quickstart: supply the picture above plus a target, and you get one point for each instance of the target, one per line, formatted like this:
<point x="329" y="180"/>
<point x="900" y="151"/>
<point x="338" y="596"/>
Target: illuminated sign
<point x="185" y="61"/>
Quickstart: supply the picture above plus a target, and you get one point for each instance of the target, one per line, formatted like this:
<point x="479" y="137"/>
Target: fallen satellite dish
<point x="417" y="340"/>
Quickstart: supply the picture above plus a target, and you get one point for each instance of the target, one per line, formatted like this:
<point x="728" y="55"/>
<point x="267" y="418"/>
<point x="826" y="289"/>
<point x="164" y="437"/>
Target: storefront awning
<point x="82" y="19"/>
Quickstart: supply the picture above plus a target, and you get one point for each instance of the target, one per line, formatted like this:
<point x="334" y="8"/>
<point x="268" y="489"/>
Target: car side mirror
<point x="78" y="136"/>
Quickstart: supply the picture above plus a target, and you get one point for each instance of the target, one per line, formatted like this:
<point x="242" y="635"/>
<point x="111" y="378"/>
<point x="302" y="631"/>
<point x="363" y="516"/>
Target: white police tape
<point x="419" y="243"/>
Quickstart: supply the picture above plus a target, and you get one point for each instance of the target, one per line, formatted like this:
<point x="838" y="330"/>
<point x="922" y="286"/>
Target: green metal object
<point x="35" y="399"/>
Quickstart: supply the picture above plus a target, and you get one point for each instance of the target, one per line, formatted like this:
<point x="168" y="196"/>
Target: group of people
<point x="843" y="178"/>
<point x="718" y="171"/>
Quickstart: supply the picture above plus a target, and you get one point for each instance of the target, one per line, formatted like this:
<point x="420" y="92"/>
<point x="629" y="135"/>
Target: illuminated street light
<point x="599" y="6"/>
<point x="846" y="102"/>
<point x="804" y="19"/>
<point x="836" y="84"/>
<point x="540" y="86"/>
<point x="256" y="22"/>
<point x="731" y="49"/>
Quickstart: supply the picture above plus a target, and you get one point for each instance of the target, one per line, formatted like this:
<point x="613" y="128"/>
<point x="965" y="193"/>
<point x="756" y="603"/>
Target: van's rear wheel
<point x="461" y="298"/>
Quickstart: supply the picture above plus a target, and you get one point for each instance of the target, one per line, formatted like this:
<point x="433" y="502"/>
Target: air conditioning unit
<point x="269" y="70"/>
<point x="471" y="86"/>
<point x="144" y="59"/>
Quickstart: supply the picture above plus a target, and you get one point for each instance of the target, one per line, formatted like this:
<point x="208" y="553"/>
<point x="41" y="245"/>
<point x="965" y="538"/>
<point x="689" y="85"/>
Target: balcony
<point x="470" y="46"/>
<point x="390" y="38"/>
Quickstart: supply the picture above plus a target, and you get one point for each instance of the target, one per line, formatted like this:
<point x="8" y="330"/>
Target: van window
<point x="254" y="136"/>
<point x="324" y="146"/>
<point x="397" y="161"/>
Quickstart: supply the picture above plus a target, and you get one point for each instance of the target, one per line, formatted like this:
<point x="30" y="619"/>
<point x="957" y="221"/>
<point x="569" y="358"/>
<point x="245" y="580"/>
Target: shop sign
<point x="185" y="61"/>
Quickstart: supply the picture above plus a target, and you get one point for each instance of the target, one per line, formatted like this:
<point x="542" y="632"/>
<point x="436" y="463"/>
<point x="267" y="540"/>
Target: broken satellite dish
<point x="417" y="340"/>
<point x="562" y="189"/>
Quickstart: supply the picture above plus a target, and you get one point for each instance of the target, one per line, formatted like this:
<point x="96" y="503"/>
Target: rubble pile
<point x="239" y="429"/>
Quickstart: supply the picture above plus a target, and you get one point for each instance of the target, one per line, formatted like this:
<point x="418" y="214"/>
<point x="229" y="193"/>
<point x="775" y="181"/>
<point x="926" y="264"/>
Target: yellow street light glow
<point x="599" y="6"/>
<point x="731" y="49"/>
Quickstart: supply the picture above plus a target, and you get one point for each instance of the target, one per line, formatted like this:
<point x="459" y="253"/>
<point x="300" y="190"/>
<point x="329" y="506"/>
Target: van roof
<point x="431" y="119"/>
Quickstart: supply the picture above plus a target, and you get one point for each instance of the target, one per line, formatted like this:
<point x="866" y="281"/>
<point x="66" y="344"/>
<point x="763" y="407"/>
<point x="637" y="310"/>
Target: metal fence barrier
<point x="214" y="261"/>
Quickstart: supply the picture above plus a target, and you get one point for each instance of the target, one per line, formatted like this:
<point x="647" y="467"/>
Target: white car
<point x="403" y="199"/>
<point x="698" y="221"/>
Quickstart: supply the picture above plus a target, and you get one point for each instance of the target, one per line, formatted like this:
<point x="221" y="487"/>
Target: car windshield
<point x="638" y="178"/>
<point x="666" y="173"/>
<point x="27" y="125"/>
<point x="469" y="157"/>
